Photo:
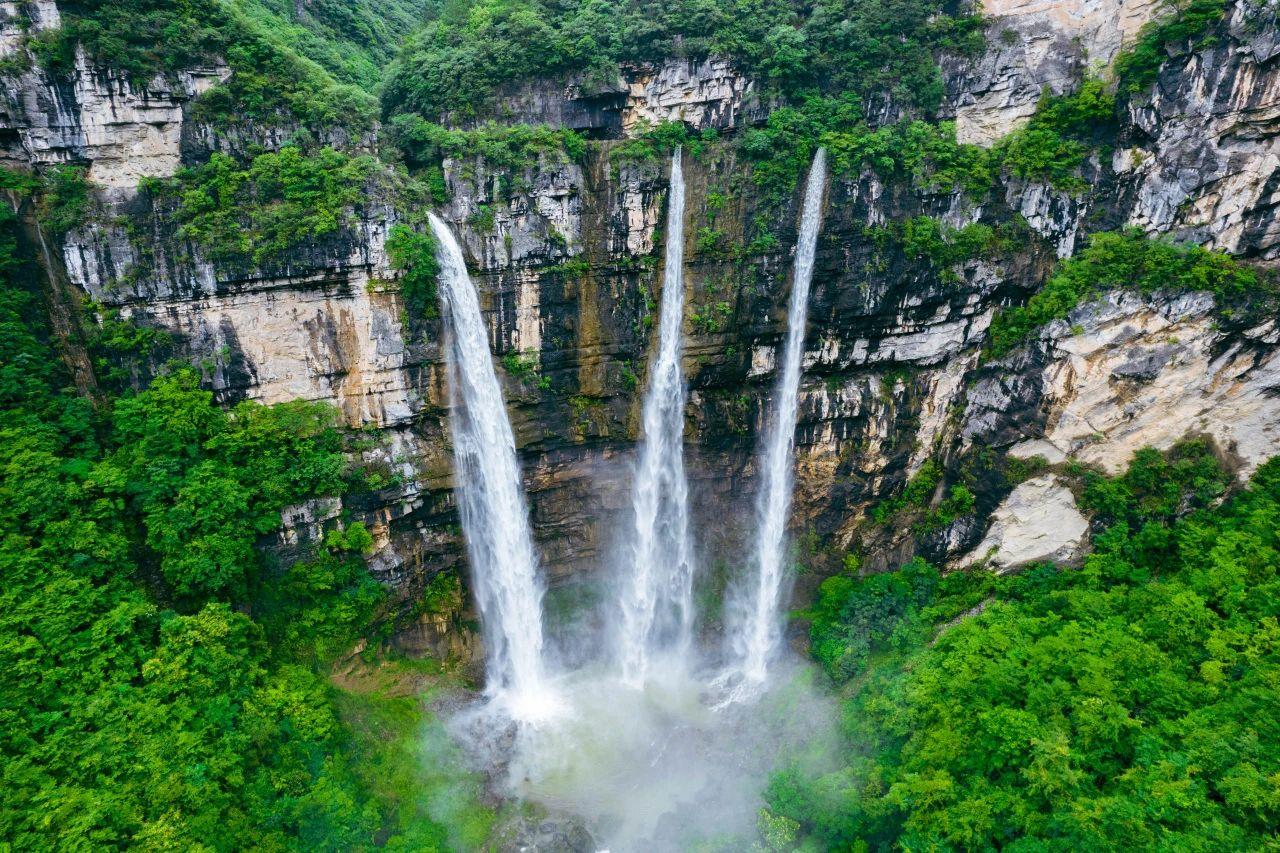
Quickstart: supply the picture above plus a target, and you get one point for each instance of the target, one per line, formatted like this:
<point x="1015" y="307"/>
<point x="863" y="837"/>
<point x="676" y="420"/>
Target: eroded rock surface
<point x="1037" y="46"/>
<point x="1205" y="163"/>
<point x="707" y="93"/>
<point x="1037" y="522"/>
<point x="566" y="257"/>
<point x="1126" y="372"/>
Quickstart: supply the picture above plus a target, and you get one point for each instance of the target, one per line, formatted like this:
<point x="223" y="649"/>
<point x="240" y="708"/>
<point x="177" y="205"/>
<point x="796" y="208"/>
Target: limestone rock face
<point x="1205" y="164"/>
<point x="1037" y="46"/>
<point x="566" y="257"/>
<point x="703" y="93"/>
<point x="124" y="130"/>
<point x="1037" y="522"/>
<point x="321" y="328"/>
<point x="1127" y="372"/>
<point x="1150" y="374"/>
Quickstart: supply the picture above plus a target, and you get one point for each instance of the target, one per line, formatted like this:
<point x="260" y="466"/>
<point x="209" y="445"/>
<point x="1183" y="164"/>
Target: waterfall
<point x="757" y="636"/>
<point x="657" y="595"/>
<point x="495" y="521"/>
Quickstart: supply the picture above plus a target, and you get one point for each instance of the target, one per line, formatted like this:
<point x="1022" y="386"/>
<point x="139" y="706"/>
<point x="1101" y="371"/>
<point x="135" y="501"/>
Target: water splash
<point x="757" y="635"/>
<point x="495" y="520"/>
<point x="657" y="596"/>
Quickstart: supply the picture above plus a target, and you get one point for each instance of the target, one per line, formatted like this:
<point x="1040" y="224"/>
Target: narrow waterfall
<point x="657" y="595"/>
<point x="758" y="636"/>
<point x="495" y="520"/>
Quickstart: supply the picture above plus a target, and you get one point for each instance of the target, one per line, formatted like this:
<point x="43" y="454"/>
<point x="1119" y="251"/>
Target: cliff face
<point x="566" y="256"/>
<point x="1204" y="161"/>
<point x="1036" y="46"/>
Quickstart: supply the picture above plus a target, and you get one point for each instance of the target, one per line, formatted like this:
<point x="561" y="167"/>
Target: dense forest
<point x="173" y="683"/>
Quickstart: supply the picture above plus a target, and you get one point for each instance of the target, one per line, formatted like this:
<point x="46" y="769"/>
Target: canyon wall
<point x="567" y="259"/>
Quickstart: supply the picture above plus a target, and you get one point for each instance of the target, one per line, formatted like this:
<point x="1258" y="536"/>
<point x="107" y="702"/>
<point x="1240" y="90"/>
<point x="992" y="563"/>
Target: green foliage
<point x="207" y="483"/>
<point x="652" y="142"/>
<point x="712" y="318"/>
<point x="1137" y="67"/>
<point x="404" y="755"/>
<point x="1157" y="487"/>
<point x="521" y="365"/>
<point x="483" y="219"/>
<point x="142" y="705"/>
<point x="354" y="42"/>
<point x="317" y="607"/>
<point x="1126" y="705"/>
<point x="1050" y="148"/>
<point x="856" y="617"/>
<point x="1061" y="133"/>
<point x="959" y="502"/>
<point x="918" y="492"/>
<point x="64" y="199"/>
<point x="502" y="147"/>
<point x="780" y="151"/>
<point x="927" y="238"/>
<point x="270" y="79"/>
<point x="1129" y="260"/>
<point x="414" y="254"/>
<point x="256" y="213"/>
<point x="464" y="56"/>
<point x="122" y="350"/>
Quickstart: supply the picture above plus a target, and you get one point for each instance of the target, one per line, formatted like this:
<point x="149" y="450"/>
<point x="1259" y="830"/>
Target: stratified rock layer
<point x="565" y="255"/>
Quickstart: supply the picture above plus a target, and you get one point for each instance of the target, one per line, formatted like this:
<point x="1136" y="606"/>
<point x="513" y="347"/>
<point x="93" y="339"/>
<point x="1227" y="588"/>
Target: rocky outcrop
<point x="1036" y="46"/>
<point x="324" y="326"/>
<point x="1037" y="522"/>
<point x="703" y="93"/>
<point x="1128" y="372"/>
<point x="1204" y="159"/>
<point x="123" y="129"/>
<point x="566" y="256"/>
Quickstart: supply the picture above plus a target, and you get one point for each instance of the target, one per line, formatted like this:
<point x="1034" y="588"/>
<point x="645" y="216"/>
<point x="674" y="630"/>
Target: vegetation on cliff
<point x="161" y="684"/>
<point x="879" y="47"/>
<point x="318" y="69"/>
<point x="261" y="210"/>
<point x="1123" y="260"/>
<point x="1136" y="68"/>
<point x="170" y="684"/>
<point x="1127" y="704"/>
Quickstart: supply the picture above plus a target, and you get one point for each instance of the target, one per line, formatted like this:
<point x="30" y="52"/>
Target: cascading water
<point x="644" y="769"/>
<point x="495" y="521"/>
<point x="756" y="637"/>
<point x="657" y="595"/>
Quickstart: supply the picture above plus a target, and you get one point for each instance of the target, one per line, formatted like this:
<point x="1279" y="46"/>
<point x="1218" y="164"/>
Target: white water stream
<point x="656" y="601"/>
<point x="638" y="748"/>
<point x="755" y="636"/>
<point x="495" y="521"/>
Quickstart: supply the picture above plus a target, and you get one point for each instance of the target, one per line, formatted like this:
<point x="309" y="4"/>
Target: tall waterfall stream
<point x="755" y="636"/>
<point x="495" y="521"/>
<point x="652" y="744"/>
<point x="656" y="604"/>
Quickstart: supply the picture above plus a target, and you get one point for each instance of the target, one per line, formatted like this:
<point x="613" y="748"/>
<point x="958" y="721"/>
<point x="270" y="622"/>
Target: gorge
<point x="514" y="425"/>
<point x="580" y="740"/>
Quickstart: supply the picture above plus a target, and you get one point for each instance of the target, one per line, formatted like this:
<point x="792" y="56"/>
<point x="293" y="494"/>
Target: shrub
<point x="1130" y="260"/>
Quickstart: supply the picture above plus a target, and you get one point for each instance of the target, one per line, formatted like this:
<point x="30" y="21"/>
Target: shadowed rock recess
<point x="565" y="250"/>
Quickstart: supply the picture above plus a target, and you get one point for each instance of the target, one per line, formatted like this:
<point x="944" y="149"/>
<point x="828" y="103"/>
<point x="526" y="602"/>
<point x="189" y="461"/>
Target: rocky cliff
<point x="566" y="255"/>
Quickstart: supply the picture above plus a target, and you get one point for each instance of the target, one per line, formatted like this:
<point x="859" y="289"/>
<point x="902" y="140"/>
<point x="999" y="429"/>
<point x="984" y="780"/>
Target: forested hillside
<point x="1033" y="529"/>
